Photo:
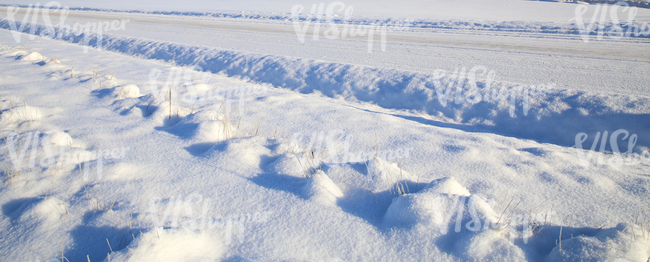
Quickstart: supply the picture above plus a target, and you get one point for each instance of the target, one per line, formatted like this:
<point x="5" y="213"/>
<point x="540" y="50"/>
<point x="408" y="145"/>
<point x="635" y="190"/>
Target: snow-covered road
<point x="516" y="57"/>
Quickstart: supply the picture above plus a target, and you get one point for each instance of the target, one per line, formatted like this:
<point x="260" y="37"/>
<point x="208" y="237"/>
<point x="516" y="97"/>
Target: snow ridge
<point x="457" y="100"/>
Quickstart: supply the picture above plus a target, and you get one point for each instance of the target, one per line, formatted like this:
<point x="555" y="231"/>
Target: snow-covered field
<point x="488" y="130"/>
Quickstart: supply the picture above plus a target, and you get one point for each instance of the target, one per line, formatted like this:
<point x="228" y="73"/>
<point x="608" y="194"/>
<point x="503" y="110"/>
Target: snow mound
<point x="321" y="189"/>
<point x="436" y="205"/>
<point x="214" y="131"/>
<point x="201" y="88"/>
<point x="169" y="115"/>
<point x="204" y="126"/>
<point x="411" y="209"/>
<point x="20" y="114"/>
<point x="612" y="244"/>
<point x="287" y="164"/>
<point x="51" y="209"/>
<point x="429" y="209"/>
<point x="490" y="245"/>
<point x="127" y="91"/>
<point x="33" y="56"/>
<point x="45" y="212"/>
<point x="244" y="153"/>
<point x="60" y="138"/>
<point x="447" y="185"/>
<point x="383" y="175"/>
<point x="172" y="245"/>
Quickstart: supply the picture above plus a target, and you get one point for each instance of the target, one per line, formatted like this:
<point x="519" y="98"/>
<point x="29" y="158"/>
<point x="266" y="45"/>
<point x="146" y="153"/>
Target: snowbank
<point x="533" y="112"/>
<point x="171" y="245"/>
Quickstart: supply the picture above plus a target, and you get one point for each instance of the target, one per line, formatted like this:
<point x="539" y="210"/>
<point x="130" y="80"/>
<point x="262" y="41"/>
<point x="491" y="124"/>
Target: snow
<point x="320" y="188"/>
<point x="161" y="244"/>
<point x="243" y="146"/>
<point x="438" y="94"/>
<point x="383" y="176"/>
<point x="446" y="186"/>
<point x="33" y="56"/>
<point x="499" y="10"/>
<point x="127" y="91"/>
<point x="20" y="113"/>
<point x="60" y="139"/>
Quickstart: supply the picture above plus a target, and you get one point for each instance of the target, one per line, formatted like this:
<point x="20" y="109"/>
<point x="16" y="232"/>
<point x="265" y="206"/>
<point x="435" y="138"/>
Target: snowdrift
<point x="465" y="99"/>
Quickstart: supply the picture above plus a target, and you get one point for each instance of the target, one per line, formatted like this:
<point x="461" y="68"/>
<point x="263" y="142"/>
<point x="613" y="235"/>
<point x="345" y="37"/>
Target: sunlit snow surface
<point x="223" y="137"/>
